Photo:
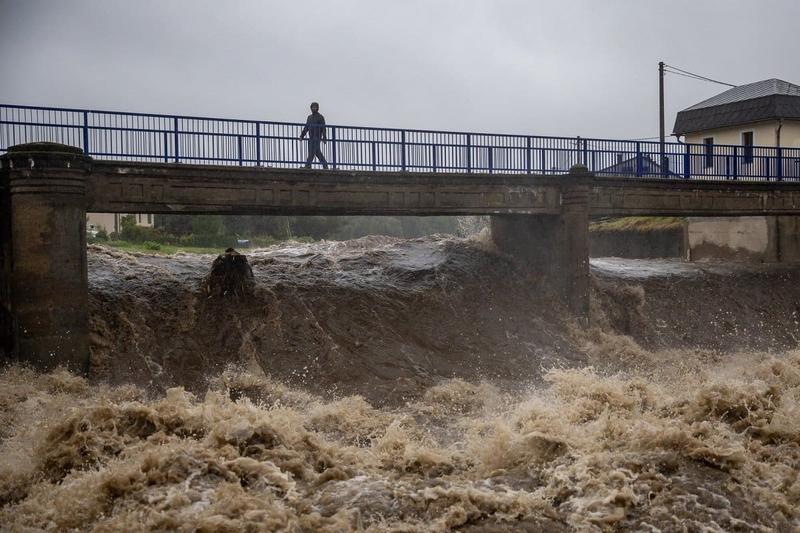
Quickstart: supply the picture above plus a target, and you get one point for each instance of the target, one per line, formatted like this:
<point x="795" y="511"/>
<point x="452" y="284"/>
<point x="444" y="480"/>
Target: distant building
<point x="764" y="113"/>
<point x="627" y="167"/>
<point x="111" y="222"/>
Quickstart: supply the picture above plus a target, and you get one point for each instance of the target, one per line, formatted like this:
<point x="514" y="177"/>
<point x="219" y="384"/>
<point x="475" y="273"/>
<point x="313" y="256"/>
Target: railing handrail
<point x="187" y="138"/>
<point x="340" y="126"/>
<point x="275" y="122"/>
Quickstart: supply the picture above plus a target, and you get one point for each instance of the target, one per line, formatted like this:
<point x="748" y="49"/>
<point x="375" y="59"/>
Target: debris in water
<point x="230" y="275"/>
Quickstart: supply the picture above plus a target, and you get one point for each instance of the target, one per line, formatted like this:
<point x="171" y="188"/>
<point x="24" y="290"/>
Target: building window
<point x="747" y="143"/>
<point x="709" y="142"/>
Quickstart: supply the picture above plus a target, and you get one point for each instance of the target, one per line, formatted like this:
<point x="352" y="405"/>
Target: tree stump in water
<point x="230" y="275"/>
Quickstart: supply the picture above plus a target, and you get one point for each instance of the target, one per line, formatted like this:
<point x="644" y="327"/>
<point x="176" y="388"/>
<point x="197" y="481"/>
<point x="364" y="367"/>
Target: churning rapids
<point x="413" y="385"/>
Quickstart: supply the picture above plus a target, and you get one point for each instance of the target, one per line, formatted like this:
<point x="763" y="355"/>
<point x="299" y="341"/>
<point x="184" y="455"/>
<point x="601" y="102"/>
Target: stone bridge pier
<point x="556" y="246"/>
<point x="44" y="289"/>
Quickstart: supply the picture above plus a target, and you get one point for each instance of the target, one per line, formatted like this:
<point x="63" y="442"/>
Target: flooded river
<point x="414" y="385"/>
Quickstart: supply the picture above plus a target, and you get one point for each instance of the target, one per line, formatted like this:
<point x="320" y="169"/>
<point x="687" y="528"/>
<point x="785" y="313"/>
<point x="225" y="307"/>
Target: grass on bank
<point x="158" y="248"/>
<point x="638" y="224"/>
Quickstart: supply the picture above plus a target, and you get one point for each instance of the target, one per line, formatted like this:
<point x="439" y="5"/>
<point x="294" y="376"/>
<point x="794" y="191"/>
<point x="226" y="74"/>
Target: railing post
<point x="779" y="164"/>
<point x="727" y="167"/>
<point x="374" y="165"/>
<point x="258" y="144"/>
<point x="85" y="133"/>
<point x="735" y="162"/>
<point x="166" y="147"/>
<point x="433" y="149"/>
<point x="469" y="153"/>
<point x="544" y="161"/>
<point x="239" y="148"/>
<point x="585" y="152"/>
<point x="639" y="162"/>
<point x="334" y="155"/>
<point x="403" y="150"/>
<point x="175" y="133"/>
<point x="528" y="154"/>
<point x="491" y="159"/>
<point x="766" y="171"/>
<point x="687" y="162"/>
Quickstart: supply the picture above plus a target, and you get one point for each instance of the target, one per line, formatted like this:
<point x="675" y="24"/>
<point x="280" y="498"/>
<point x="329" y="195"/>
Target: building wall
<point x="790" y="133"/>
<point x="764" y="134"/>
<point x="111" y="221"/>
<point x="98" y="221"/>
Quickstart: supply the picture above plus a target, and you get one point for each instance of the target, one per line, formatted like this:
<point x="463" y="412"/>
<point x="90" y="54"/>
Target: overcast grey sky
<point x="569" y="67"/>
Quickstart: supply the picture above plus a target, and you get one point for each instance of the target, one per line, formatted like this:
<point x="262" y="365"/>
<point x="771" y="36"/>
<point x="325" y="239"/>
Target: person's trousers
<point x="315" y="150"/>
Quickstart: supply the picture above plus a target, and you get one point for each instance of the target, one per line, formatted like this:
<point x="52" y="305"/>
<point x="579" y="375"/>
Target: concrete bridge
<point x="539" y="191"/>
<point x="541" y="220"/>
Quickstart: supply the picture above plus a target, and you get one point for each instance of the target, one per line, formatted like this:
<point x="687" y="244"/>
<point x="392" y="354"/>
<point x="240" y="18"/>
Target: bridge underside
<point x="541" y="220"/>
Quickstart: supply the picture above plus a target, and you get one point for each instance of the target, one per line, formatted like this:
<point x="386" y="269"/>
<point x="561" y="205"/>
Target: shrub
<point x="140" y="234"/>
<point x="263" y="241"/>
<point x="185" y="240"/>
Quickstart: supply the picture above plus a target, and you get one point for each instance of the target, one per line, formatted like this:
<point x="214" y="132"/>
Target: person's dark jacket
<point x="315" y="127"/>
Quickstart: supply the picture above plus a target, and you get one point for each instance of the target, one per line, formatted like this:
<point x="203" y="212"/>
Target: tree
<point x="208" y="225"/>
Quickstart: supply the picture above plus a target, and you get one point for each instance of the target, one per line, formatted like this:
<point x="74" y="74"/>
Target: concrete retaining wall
<point x="755" y="239"/>
<point x="758" y="239"/>
<point x="788" y="239"/>
<point x="637" y="244"/>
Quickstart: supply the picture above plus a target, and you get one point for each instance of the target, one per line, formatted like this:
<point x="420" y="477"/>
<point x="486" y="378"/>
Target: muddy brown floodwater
<point x="413" y="385"/>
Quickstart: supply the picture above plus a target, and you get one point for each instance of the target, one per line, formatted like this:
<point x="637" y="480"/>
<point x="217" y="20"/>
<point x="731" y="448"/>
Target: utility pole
<point x="663" y="160"/>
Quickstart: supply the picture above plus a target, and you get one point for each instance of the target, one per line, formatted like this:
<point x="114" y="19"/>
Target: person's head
<point x="314" y="107"/>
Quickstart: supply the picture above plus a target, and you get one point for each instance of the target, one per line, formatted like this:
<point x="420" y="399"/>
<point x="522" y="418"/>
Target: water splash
<point x="588" y="451"/>
<point x="423" y="385"/>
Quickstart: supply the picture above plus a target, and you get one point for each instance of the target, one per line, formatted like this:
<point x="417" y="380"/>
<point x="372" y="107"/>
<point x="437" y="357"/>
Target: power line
<point x="687" y="74"/>
<point x="701" y="78"/>
<point x="695" y="74"/>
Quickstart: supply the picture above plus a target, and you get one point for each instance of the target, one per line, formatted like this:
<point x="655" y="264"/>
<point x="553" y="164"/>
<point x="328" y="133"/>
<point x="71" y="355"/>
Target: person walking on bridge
<point x="315" y="127"/>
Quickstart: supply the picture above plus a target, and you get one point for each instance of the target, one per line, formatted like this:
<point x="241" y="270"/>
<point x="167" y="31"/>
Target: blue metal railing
<point x="185" y="139"/>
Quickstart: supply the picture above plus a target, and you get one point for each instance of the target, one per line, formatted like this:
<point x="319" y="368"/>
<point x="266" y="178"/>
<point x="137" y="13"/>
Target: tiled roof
<point x="749" y="91"/>
<point x="764" y="100"/>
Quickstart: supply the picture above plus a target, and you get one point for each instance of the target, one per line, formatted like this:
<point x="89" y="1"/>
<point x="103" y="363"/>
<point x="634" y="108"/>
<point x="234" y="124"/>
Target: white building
<point x="764" y="113"/>
<point x="111" y="222"/>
